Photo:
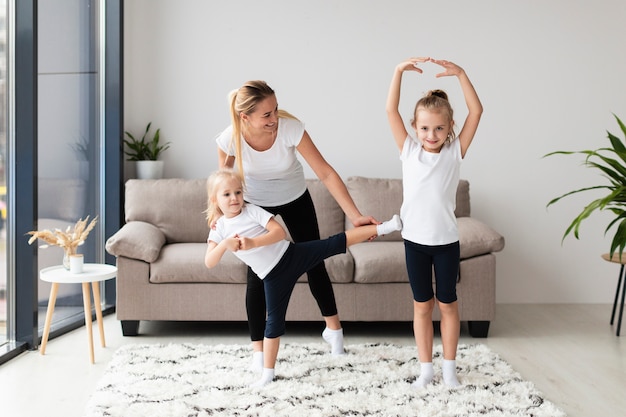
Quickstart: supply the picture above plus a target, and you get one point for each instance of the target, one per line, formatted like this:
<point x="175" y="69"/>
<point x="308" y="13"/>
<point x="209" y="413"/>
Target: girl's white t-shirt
<point x="251" y="223"/>
<point x="273" y="177"/>
<point x="430" y="181"/>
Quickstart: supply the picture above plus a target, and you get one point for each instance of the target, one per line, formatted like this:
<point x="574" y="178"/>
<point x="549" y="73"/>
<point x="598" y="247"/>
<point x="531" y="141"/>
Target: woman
<point x="263" y="142"/>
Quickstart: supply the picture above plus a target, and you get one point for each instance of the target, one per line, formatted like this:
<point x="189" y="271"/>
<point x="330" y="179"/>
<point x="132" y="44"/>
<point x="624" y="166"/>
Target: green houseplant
<point x="611" y="161"/>
<point x="144" y="149"/>
<point x="145" y="153"/>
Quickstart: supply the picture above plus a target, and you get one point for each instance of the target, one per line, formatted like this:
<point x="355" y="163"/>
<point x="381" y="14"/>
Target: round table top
<point x="91" y="273"/>
<point x="617" y="258"/>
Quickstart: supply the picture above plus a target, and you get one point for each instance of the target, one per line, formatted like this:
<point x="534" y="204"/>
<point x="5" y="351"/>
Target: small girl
<point x="255" y="237"/>
<point x="430" y="171"/>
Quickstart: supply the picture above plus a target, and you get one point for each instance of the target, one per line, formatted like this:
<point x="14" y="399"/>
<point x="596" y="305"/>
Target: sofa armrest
<point x="476" y="238"/>
<point x="137" y="240"/>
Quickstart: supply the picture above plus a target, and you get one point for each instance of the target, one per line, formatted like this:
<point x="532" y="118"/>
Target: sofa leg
<point x="478" y="328"/>
<point x="130" y="327"/>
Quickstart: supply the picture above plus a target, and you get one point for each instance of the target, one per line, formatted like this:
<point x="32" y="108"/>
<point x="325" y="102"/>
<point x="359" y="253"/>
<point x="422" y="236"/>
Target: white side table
<point x="92" y="273"/>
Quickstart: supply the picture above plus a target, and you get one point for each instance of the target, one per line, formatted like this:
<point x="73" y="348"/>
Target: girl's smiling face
<point x="432" y="129"/>
<point x="229" y="197"/>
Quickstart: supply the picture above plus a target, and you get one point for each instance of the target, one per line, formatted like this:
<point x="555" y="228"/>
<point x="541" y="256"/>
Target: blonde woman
<point x="262" y="142"/>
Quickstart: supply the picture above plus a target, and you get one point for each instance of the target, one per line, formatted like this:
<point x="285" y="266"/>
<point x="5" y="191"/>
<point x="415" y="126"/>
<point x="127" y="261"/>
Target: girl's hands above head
<point x="412" y="64"/>
<point x="451" y="69"/>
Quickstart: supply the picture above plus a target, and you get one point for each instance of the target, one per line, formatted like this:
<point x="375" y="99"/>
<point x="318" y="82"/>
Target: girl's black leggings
<point x="421" y="260"/>
<point x="301" y="220"/>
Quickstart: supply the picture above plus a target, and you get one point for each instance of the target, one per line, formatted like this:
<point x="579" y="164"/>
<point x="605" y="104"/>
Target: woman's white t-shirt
<point x="273" y="177"/>
<point x="430" y="181"/>
<point x="250" y="223"/>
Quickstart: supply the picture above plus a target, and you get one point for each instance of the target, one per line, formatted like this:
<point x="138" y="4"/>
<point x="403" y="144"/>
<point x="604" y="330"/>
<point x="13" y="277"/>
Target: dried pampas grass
<point x="69" y="239"/>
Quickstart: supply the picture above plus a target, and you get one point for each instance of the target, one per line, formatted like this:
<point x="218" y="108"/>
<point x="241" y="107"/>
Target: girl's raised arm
<point x="398" y="129"/>
<point x="474" y="106"/>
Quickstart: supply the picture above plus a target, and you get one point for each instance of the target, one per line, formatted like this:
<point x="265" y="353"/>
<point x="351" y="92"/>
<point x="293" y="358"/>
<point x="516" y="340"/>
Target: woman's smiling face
<point x="264" y="118"/>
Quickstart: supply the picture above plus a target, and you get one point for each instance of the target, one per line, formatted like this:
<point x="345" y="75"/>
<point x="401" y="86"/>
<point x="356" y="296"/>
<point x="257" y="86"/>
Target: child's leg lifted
<point x="279" y="283"/>
<point x="363" y="233"/>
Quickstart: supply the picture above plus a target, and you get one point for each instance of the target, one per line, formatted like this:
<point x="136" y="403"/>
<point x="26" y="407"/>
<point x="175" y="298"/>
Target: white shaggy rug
<point x="369" y="380"/>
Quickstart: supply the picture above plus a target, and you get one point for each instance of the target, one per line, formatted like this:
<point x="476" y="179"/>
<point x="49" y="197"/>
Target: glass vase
<point x="66" y="257"/>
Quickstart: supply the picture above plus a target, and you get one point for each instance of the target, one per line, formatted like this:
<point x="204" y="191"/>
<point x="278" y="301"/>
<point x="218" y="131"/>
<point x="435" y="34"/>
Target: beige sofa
<point x="162" y="276"/>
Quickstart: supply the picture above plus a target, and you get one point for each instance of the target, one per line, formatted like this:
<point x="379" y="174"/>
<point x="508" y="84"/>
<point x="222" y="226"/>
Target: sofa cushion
<point x="184" y="262"/>
<point x="340" y="268"/>
<point x="379" y="261"/>
<point x="174" y="205"/>
<point x="330" y="217"/>
<point x="137" y="240"/>
<point x="463" y="207"/>
<point x="476" y="238"/>
<point x="377" y="197"/>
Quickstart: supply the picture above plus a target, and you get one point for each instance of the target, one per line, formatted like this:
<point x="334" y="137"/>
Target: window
<point x="3" y="181"/>
<point x="60" y="117"/>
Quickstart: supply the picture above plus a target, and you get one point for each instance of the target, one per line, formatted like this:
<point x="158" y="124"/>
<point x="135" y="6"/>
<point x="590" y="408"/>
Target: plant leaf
<point x="611" y="162"/>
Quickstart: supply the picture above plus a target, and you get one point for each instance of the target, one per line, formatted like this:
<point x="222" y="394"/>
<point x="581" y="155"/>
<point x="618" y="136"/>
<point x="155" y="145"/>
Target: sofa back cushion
<point x="463" y="208"/>
<point x="174" y="205"/>
<point x="378" y="197"/>
<point x="382" y="198"/>
<point x="330" y="217"/>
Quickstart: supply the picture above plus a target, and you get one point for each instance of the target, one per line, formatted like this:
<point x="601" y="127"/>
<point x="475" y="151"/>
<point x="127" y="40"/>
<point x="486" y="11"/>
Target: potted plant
<point x="145" y="152"/>
<point x="611" y="162"/>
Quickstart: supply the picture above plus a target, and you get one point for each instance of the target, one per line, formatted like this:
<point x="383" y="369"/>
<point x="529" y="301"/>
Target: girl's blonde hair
<point x="213" y="211"/>
<point x="244" y="100"/>
<point x="436" y="101"/>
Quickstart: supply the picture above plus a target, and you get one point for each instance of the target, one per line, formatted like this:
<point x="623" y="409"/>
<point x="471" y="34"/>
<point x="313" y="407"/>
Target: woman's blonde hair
<point x="213" y="211"/>
<point x="435" y="101"/>
<point x="244" y="100"/>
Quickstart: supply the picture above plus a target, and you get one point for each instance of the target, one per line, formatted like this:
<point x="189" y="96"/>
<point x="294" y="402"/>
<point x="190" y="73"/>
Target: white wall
<point x="550" y="75"/>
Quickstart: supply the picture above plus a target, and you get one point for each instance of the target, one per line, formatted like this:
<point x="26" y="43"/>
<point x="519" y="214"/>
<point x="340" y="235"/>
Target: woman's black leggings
<point x="301" y="220"/>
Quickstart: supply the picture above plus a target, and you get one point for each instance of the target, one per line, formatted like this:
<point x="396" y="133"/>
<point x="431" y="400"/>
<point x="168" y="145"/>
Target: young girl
<point x="430" y="171"/>
<point x="255" y="237"/>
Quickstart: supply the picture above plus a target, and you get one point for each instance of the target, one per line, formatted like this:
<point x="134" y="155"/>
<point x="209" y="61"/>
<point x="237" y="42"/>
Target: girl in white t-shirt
<point x="430" y="172"/>
<point x="255" y="237"/>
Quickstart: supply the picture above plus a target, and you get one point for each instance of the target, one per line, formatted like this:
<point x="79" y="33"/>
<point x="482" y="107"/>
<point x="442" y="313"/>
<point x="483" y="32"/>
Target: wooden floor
<point x="570" y="353"/>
